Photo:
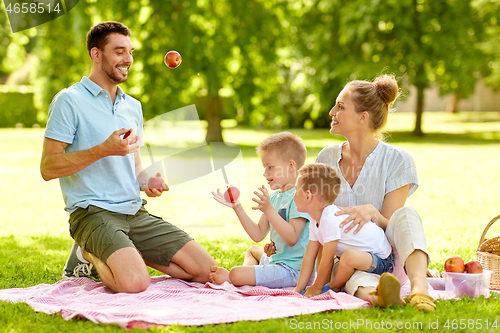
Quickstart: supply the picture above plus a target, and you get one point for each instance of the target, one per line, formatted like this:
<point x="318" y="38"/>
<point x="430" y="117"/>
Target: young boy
<point x="369" y="250"/>
<point x="282" y="155"/>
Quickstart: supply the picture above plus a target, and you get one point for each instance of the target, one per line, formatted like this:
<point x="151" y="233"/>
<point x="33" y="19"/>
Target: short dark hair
<point x="98" y="34"/>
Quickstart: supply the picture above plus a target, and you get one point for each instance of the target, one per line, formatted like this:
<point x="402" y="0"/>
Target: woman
<point x="376" y="180"/>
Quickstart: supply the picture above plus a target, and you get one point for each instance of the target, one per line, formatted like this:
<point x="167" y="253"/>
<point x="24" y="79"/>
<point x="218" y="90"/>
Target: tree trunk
<point x="419" y="111"/>
<point x="453" y="104"/>
<point x="214" y="117"/>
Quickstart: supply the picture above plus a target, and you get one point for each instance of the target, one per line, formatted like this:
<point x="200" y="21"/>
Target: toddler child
<point x="317" y="187"/>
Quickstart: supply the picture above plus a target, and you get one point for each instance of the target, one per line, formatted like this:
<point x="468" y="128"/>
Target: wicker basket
<point x="488" y="254"/>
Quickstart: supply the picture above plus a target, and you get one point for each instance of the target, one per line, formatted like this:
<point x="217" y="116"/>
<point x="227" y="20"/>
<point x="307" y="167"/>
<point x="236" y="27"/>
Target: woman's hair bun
<point x="387" y="87"/>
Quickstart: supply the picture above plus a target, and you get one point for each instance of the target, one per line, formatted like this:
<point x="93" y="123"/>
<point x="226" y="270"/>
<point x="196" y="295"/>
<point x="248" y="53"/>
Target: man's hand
<point x="154" y="192"/>
<point x="116" y="145"/>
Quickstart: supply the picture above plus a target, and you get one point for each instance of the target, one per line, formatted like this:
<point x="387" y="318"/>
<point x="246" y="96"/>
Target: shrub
<point x="16" y="104"/>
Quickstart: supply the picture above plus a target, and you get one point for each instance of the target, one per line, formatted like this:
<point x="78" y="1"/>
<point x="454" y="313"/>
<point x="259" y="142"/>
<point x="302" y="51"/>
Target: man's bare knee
<point x="134" y="284"/>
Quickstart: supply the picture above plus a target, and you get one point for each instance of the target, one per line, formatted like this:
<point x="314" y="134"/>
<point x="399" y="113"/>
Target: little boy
<point x="282" y="155"/>
<point x="369" y="250"/>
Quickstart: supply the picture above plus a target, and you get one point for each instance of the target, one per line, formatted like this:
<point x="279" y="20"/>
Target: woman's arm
<point x="360" y="215"/>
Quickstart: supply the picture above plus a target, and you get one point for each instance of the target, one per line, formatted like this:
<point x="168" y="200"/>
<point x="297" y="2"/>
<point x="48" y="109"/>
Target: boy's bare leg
<point x="350" y="260"/>
<point x="220" y="275"/>
<point x="253" y="255"/>
<point x="242" y="276"/>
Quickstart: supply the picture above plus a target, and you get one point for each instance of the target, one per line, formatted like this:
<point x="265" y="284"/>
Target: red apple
<point x="173" y="59"/>
<point x="232" y="194"/>
<point x="157" y="183"/>
<point x="473" y="267"/>
<point x="454" y="264"/>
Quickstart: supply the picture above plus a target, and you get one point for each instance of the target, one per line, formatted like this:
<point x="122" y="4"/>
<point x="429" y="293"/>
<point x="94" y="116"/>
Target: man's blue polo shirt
<point x="83" y="116"/>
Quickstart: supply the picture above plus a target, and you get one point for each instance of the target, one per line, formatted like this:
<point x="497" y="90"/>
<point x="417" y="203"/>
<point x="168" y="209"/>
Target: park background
<point x="253" y="68"/>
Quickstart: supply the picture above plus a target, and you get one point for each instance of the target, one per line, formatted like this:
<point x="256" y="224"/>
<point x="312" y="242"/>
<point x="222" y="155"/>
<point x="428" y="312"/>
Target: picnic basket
<point x="488" y="255"/>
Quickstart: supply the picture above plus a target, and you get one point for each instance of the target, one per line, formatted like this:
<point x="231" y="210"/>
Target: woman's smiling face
<point x="343" y="113"/>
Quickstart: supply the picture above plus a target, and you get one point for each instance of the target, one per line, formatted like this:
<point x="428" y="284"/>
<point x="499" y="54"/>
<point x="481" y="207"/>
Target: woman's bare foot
<point x="218" y="275"/>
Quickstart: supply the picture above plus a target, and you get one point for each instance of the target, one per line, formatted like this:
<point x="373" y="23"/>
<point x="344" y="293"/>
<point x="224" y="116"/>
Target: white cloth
<point x="371" y="238"/>
<point x="386" y="169"/>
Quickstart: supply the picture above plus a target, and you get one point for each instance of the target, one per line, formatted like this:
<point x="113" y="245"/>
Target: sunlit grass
<point x="458" y="196"/>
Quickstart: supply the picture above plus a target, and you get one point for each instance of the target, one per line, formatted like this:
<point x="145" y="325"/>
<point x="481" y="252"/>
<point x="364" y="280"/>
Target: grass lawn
<point x="457" y="162"/>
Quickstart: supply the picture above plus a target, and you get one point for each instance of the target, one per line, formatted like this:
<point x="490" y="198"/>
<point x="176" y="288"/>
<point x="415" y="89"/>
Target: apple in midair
<point x="173" y="59"/>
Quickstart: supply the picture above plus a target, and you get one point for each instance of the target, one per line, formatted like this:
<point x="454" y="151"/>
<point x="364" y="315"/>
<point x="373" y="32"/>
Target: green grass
<point x="457" y="162"/>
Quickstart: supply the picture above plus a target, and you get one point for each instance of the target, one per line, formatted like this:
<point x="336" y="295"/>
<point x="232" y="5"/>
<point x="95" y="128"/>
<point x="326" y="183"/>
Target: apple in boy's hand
<point x="473" y="267"/>
<point x="454" y="264"/>
<point x="232" y="194"/>
<point x="157" y="182"/>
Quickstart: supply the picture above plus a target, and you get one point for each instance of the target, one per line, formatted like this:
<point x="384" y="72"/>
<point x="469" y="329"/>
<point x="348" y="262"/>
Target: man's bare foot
<point x="218" y="275"/>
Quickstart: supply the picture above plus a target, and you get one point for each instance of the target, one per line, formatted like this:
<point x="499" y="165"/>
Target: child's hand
<point x="219" y="197"/>
<point x="262" y="200"/>
<point x="312" y="291"/>
<point x="269" y="249"/>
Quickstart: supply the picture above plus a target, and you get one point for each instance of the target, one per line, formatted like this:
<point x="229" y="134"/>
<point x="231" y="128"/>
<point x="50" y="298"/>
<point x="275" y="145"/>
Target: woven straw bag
<point x="488" y="255"/>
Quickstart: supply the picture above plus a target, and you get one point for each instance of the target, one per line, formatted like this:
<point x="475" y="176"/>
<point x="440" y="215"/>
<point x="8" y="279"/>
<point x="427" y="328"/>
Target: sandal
<point x="388" y="291"/>
<point x="421" y="301"/>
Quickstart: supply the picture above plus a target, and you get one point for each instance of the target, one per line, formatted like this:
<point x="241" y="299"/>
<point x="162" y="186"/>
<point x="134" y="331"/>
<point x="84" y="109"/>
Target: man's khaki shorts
<point x="102" y="232"/>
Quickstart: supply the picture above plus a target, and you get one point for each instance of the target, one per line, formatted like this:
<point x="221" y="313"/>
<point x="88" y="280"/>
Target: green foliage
<point x="269" y="63"/>
<point x="5" y="37"/>
<point x="17" y="107"/>
<point x="417" y="40"/>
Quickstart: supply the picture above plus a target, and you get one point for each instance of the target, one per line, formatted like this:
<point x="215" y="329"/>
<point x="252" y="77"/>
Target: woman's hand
<point x="358" y="216"/>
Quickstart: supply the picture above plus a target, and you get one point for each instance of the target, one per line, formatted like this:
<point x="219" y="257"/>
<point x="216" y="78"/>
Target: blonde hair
<point x="375" y="97"/>
<point x="320" y="178"/>
<point x="286" y="146"/>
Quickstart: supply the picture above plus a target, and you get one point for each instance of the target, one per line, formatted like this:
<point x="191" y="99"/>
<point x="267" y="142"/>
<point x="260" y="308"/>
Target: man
<point x="100" y="174"/>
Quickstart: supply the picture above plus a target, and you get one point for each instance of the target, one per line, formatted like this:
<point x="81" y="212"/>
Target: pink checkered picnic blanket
<point x="170" y="301"/>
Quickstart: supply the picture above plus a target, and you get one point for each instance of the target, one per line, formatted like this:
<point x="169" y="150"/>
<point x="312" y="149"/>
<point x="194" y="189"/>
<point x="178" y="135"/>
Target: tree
<point x="417" y="39"/>
<point x="228" y="48"/>
<point x="488" y="12"/>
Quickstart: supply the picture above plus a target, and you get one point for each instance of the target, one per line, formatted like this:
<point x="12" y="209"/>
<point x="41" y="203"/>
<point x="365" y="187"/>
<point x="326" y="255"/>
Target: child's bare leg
<point x="218" y="275"/>
<point x="253" y="255"/>
<point x="242" y="276"/>
<point x="350" y="260"/>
